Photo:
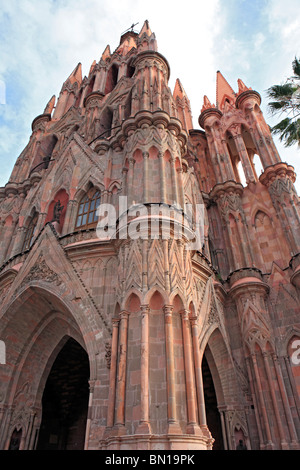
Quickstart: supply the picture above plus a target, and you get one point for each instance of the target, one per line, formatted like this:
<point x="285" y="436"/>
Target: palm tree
<point x="286" y="99"/>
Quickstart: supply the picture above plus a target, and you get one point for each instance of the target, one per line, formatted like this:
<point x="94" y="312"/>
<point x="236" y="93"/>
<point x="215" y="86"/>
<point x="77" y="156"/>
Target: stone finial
<point x="50" y="105"/>
<point x="242" y="86"/>
<point x="207" y="104"/>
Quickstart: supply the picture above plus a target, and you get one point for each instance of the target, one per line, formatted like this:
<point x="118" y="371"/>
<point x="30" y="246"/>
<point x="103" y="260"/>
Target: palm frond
<point x="285" y="98"/>
<point x="280" y="92"/>
<point x="288" y="131"/>
<point x="296" y="68"/>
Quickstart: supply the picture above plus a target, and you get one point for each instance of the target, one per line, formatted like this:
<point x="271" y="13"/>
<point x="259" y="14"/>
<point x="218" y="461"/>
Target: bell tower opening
<point x="211" y="407"/>
<point x="65" y="400"/>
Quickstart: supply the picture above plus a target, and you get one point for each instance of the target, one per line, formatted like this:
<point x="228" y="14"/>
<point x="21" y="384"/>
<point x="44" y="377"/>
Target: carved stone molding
<point x="108" y="354"/>
<point x="281" y="187"/>
<point x="279" y="170"/>
<point x="41" y="271"/>
<point x="93" y="99"/>
<point x="228" y="197"/>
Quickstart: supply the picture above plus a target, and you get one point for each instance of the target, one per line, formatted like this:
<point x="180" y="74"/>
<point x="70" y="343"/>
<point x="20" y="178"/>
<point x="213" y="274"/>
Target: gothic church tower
<point x="119" y="339"/>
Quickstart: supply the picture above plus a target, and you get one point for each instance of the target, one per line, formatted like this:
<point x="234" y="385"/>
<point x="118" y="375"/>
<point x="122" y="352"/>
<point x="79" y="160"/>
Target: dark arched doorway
<point x="211" y="407"/>
<point x="65" y="400"/>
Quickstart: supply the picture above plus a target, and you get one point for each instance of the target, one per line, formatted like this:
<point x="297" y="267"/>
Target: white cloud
<point x="43" y="40"/>
<point x="258" y="41"/>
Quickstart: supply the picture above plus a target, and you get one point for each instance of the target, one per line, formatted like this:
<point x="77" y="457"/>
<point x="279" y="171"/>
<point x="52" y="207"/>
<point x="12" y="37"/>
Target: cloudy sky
<point x="42" y="41"/>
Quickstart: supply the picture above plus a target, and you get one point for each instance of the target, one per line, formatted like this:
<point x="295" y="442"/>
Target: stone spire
<point x="224" y="92"/>
<point x="50" y="105"/>
<point x="183" y="105"/>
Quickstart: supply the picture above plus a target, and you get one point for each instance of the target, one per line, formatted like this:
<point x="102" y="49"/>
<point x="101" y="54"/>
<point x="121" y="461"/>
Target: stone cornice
<point x="209" y="112"/>
<point x="245" y="95"/>
<point x="143" y="119"/>
<point x="41" y="119"/>
<point x="280" y="169"/>
<point x="152" y="55"/>
<point x="226" y="187"/>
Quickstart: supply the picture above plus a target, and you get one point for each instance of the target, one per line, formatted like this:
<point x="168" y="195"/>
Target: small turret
<point x="68" y="92"/>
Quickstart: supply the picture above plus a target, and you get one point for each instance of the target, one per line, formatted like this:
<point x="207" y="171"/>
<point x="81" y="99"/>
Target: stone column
<point x="130" y="181"/>
<point x="144" y="425"/>
<point x="121" y="378"/>
<point x="216" y="156"/>
<point x="263" y="411"/>
<point x="30" y="427"/>
<point x="173" y="426"/>
<point x="162" y="177"/>
<point x="244" y="157"/>
<point x="286" y="404"/>
<point x="224" y="434"/>
<point x="192" y="425"/>
<point x="174" y="181"/>
<point x="70" y="217"/>
<point x="145" y="265"/>
<point x="283" y="442"/>
<point x="255" y="404"/>
<point x="181" y="189"/>
<point x="89" y="417"/>
<point x="146" y="176"/>
<point x="279" y="180"/>
<point x="113" y="373"/>
<point x="228" y="162"/>
<point x="267" y="158"/>
<point x="292" y="384"/>
<point x="165" y="244"/>
<point x="228" y="197"/>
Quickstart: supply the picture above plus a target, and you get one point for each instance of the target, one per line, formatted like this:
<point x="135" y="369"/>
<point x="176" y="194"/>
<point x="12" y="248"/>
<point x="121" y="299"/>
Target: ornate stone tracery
<point x="174" y="333"/>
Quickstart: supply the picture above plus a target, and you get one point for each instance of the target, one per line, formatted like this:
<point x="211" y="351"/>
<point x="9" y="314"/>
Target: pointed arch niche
<point x="237" y="166"/>
<point x="8" y="235"/>
<point x="219" y="386"/>
<point x="57" y="209"/>
<point x="44" y="151"/>
<point x="254" y="158"/>
<point x="30" y="230"/>
<point x="267" y="239"/>
<point x="112" y="78"/>
<point x="211" y="403"/>
<point x="244" y="156"/>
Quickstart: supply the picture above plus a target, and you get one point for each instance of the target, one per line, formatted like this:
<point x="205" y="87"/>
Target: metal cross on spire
<point x="131" y="27"/>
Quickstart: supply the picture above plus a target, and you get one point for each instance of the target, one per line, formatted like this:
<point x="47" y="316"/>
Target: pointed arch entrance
<point x="221" y="392"/>
<point x="51" y="364"/>
<point x="65" y="400"/>
<point x="211" y="406"/>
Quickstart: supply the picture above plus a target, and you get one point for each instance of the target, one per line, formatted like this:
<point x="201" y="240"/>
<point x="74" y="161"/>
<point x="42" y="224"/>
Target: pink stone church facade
<point x="149" y="342"/>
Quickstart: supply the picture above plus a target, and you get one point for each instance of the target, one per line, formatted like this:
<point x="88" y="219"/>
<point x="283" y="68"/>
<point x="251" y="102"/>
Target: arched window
<point x="112" y="79"/>
<point x="29" y="236"/>
<point x="44" y="153"/>
<point x="87" y="210"/>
